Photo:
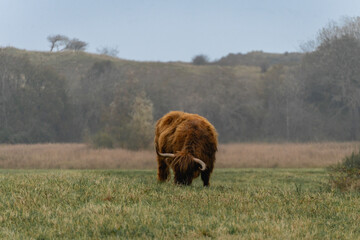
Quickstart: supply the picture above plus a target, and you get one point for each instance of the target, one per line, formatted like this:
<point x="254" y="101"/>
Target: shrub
<point x="200" y="60"/>
<point x="346" y="175"/>
<point x="134" y="131"/>
<point x="102" y="140"/>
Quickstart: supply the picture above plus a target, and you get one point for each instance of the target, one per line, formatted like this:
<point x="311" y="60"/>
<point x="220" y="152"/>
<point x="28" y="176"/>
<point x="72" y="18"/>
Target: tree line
<point x="34" y="103"/>
<point x="115" y="105"/>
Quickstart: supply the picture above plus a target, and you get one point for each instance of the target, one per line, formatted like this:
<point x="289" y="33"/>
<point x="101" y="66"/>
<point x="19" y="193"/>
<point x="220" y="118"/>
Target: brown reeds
<point x="72" y="156"/>
<point x="239" y="155"/>
<point x="284" y="155"/>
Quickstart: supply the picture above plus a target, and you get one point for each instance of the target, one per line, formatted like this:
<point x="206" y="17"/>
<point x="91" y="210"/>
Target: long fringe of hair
<point x="183" y="162"/>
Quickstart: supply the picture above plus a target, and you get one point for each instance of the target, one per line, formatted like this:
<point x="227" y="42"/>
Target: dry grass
<point x="284" y="155"/>
<point x="80" y="156"/>
<point x="72" y="156"/>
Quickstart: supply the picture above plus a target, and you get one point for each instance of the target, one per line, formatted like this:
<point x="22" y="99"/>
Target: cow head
<point x="185" y="166"/>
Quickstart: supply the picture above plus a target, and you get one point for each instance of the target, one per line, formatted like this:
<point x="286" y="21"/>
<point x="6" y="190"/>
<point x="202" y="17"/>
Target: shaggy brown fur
<point x="187" y="136"/>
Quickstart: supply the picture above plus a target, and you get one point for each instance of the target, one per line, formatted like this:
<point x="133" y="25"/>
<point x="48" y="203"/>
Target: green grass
<point x="240" y="204"/>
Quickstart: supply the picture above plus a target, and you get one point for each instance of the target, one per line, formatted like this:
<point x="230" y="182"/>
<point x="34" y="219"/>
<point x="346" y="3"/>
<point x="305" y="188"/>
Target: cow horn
<point x="167" y="154"/>
<point x="203" y="165"/>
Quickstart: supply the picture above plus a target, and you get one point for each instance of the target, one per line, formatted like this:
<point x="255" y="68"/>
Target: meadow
<point x="131" y="204"/>
<point x="258" y="191"/>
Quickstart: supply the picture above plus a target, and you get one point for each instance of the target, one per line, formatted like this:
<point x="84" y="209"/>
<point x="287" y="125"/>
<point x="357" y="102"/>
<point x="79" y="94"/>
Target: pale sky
<point x="169" y="30"/>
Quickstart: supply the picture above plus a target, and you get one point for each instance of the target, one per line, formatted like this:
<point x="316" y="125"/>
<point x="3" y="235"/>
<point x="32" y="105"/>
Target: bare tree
<point x="349" y="26"/>
<point x="57" y="41"/>
<point x="331" y="74"/>
<point x="112" y="52"/>
<point x="76" y="45"/>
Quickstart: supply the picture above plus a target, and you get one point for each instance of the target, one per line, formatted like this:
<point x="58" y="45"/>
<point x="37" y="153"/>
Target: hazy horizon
<point x="171" y="30"/>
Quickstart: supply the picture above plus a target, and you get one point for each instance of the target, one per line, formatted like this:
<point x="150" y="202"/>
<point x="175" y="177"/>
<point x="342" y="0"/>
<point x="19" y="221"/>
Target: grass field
<point x="258" y="191"/>
<point x="130" y="204"/>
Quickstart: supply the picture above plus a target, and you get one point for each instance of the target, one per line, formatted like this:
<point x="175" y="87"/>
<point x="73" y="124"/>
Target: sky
<point x="171" y="30"/>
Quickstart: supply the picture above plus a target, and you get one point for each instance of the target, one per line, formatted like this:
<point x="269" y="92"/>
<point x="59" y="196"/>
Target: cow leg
<point x="205" y="177"/>
<point x="163" y="169"/>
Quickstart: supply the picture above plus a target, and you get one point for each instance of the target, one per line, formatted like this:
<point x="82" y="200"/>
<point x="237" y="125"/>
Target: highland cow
<point x="187" y="143"/>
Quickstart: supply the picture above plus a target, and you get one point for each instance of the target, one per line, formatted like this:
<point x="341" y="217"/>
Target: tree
<point x="349" y="26"/>
<point x="10" y="77"/>
<point x="112" y="52"/>
<point x="57" y="41"/>
<point x="332" y="78"/>
<point x="68" y="44"/>
<point x="127" y="122"/>
<point x="264" y="67"/>
<point x="75" y="45"/>
<point x="200" y="60"/>
<point x="95" y="94"/>
<point x="286" y="116"/>
<point x="34" y="103"/>
<point x="141" y="126"/>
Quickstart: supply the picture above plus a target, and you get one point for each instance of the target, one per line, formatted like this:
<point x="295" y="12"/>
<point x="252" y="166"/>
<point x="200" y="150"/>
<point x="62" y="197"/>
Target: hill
<point x="169" y="86"/>
<point x="260" y="59"/>
<point x="74" y="65"/>
<point x="252" y="97"/>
